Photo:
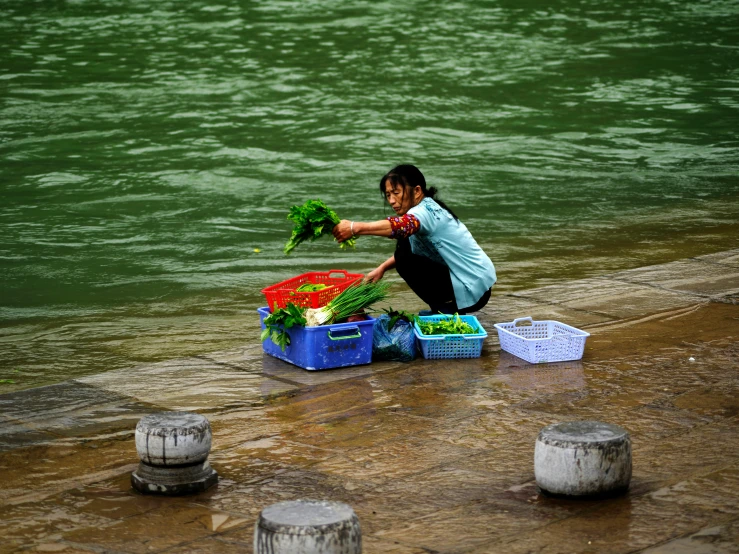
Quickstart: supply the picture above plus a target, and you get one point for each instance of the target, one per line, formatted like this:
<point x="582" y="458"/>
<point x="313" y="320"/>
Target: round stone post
<point x="583" y="458"/>
<point x="173" y="448"/>
<point x="307" y="527"/>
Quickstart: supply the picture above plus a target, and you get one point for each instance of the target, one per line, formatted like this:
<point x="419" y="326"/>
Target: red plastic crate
<point x="284" y="292"/>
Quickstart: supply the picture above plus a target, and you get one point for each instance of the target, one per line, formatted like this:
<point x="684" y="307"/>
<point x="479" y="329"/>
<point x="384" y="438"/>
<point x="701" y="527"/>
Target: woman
<point x="435" y="254"/>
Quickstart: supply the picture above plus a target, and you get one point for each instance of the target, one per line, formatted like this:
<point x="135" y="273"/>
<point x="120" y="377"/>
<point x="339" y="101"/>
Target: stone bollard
<point x="173" y="448"/>
<point x="583" y="458"/>
<point x="307" y="527"/>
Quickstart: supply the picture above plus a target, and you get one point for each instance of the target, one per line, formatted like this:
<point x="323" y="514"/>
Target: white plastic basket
<point x="540" y="342"/>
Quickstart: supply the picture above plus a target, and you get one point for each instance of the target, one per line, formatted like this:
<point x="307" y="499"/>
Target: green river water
<point x="148" y="148"/>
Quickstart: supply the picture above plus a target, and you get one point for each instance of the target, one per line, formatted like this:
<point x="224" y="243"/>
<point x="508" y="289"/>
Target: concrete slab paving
<point x="55" y="401"/>
<point x="244" y="355"/>
<point x="189" y="384"/>
<point x="14" y="434"/>
<point x="719" y="539"/>
<point x="35" y="472"/>
<point x="289" y="373"/>
<point x="691" y="276"/>
<point x="666" y="460"/>
<point x="111" y="500"/>
<point x="191" y="522"/>
<point x="392" y="459"/>
<point x="211" y="545"/>
<point x="373" y="427"/>
<point x="728" y="257"/>
<point x="118" y="417"/>
<point x="45" y="521"/>
<point x="633" y="521"/>
<point x="433" y="455"/>
<point x="610" y="298"/>
<point x="626" y="525"/>
<point x="371" y="543"/>
<point x="277" y="450"/>
<point x="238" y="426"/>
<point x="426" y="492"/>
<point x="255" y="361"/>
<point x="286" y="483"/>
<point x="506" y="308"/>
<point x="517" y="374"/>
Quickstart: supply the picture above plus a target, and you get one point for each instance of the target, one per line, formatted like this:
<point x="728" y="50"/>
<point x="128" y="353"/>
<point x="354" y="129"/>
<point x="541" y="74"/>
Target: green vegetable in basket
<point x="311" y="287"/>
<point x="312" y="220"/>
<point x="396" y="315"/>
<point x="352" y="300"/>
<point x="451" y="326"/>
<point x="281" y="319"/>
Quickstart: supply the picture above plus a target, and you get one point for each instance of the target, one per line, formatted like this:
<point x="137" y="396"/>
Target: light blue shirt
<point x="447" y="241"/>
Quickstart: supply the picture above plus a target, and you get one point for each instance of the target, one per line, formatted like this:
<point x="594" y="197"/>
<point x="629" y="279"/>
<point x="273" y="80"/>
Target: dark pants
<point x="431" y="281"/>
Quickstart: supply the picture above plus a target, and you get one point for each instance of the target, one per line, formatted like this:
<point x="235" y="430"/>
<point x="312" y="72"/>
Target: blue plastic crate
<point x="451" y="346"/>
<point x="325" y="346"/>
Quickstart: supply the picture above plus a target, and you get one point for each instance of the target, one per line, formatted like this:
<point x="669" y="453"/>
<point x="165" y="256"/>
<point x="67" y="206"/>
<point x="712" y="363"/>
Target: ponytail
<point x="431" y="193"/>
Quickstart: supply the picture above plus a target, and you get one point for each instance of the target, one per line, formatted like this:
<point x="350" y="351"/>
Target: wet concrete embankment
<point x="432" y="455"/>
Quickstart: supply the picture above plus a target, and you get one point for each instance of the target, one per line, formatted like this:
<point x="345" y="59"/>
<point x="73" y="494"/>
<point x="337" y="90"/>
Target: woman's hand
<point x="377" y="273"/>
<point x="343" y="230"/>
<point x="374" y="275"/>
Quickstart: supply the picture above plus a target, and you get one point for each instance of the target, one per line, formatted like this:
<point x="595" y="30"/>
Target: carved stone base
<point x="173" y="480"/>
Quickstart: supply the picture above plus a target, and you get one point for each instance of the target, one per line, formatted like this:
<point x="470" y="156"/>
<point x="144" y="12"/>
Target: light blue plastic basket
<point x="435" y="347"/>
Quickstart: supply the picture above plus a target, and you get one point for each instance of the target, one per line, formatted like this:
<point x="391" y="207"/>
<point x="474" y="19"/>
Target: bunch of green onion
<point x="351" y="301"/>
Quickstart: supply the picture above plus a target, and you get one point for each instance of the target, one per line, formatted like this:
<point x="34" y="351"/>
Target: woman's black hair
<point x="409" y="177"/>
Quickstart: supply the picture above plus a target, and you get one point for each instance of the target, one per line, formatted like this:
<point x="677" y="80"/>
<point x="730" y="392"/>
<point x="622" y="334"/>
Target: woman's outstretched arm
<point x="396" y="227"/>
<point x="346" y="229"/>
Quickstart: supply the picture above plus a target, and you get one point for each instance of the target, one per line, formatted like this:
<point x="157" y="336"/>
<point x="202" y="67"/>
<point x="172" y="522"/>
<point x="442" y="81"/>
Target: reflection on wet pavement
<point x="518" y="374"/>
<point x="434" y="455"/>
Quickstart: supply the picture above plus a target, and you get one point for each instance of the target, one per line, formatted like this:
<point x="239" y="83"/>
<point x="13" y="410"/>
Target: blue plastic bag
<point x="397" y="344"/>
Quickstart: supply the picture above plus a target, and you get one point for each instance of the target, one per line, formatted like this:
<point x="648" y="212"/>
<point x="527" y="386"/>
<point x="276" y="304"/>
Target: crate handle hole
<point x="357" y="334"/>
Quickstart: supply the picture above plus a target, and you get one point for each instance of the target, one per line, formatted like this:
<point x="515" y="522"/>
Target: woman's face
<point x="400" y="198"/>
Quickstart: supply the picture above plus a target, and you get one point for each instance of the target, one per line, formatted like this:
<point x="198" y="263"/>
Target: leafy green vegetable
<point x="352" y="300"/>
<point x="312" y="220"/>
<point x="396" y="315"/>
<point x="311" y="287"/>
<point x="452" y="326"/>
<point x="281" y="319"/>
